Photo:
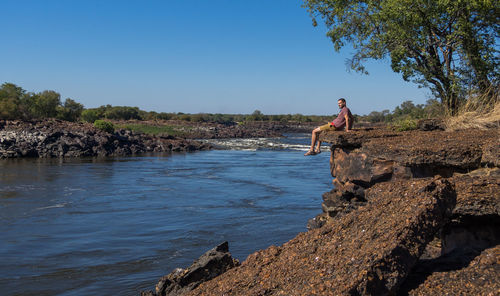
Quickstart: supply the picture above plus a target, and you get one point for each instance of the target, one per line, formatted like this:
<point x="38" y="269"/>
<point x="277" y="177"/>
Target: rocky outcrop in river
<point x="55" y="138"/>
<point x="230" y="130"/>
<point x="412" y="213"/>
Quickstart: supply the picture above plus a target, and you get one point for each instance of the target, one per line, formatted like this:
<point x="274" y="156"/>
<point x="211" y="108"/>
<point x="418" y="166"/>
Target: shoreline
<point x="55" y="138"/>
<point x="374" y="235"/>
<point x="449" y="232"/>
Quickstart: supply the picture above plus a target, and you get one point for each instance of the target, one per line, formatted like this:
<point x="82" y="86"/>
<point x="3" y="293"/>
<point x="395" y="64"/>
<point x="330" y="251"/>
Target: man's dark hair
<point x="342" y="99"/>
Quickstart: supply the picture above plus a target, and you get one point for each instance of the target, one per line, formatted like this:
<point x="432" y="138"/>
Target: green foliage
<point x="16" y="103"/>
<point x="255" y="116"/>
<point x="446" y="45"/>
<point x="90" y="115"/>
<point x="222" y="118"/>
<point x="164" y="116"/>
<point x="405" y="125"/>
<point x="70" y="110"/>
<point x="104" y="126"/>
<point x="376" y="116"/>
<point x="116" y="113"/>
<point x="407" y="111"/>
<point x="44" y="104"/>
<point x="121" y="112"/>
<point x="13" y="102"/>
<point x="152" y="115"/>
<point x="185" y="117"/>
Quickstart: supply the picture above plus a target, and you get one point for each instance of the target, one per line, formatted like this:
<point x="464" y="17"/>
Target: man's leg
<point x="314" y="138"/>
<point x="318" y="148"/>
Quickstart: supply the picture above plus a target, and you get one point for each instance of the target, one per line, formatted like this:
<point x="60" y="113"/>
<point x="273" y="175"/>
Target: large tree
<point x="44" y="104"/>
<point x="13" y="102"/>
<point x="446" y="45"/>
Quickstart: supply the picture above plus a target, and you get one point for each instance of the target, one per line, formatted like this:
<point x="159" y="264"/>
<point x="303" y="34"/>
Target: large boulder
<point x="431" y="124"/>
<point x="211" y="264"/>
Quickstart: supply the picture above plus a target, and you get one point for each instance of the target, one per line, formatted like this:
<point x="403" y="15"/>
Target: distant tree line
<point x="405" y="116"/>
<point x="127" y="113"/>
<point x="406" y="111"/>
<point x="16" y="103"/>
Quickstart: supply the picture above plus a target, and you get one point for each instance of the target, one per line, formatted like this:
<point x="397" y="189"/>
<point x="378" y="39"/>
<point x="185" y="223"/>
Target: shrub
<point x="104" y="126"/>
<point x="122" y="112"/>
<point x="70" y="110"/>
<point x="90" y="115"/>
<point x="185" y="117"/>
<point x="405" y="125"/>
<point x="165" y="116"/>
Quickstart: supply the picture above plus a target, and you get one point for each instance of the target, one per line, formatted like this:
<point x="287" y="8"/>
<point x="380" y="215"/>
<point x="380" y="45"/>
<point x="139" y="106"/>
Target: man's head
<point x="341" y="103"/>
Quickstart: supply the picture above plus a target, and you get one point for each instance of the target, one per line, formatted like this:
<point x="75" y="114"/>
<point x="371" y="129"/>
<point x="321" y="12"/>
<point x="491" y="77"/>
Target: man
<point x="344" y="119"/>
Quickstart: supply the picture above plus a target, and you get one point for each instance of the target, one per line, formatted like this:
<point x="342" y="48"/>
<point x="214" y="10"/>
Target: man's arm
<point x="347" y="122"/>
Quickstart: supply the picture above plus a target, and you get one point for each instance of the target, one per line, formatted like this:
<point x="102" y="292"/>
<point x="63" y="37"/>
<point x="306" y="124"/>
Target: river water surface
<point x="116" y="225"/>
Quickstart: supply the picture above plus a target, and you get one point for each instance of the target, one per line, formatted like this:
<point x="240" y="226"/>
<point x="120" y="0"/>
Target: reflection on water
<point x="103" y="226"/>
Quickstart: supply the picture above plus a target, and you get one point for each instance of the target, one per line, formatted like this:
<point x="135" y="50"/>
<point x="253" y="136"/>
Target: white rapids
<point x="291" y="142"/>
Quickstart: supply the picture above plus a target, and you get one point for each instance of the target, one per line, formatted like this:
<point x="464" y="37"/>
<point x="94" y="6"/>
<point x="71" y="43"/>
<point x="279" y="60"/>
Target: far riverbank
<point x="57" y="138"/>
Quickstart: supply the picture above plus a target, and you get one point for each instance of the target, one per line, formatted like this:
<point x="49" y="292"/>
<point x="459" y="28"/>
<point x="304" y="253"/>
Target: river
<point x="103" y="226"/>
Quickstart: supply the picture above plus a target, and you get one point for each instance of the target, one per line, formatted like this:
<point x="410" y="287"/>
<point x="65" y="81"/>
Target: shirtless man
<point x="344" y="119"/>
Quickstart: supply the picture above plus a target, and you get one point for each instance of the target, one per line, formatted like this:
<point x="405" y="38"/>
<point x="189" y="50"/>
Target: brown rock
<point x="460" y="150"/>
<point x="491" y="153"/>
<point x="478" y="193"/>
<point x="355" y="138"/>
<point x="56" y="138"/>
<point x="360" y="168"/>
<point x="366" y="252"/>
<point x="431" y="124"/>
<point x="480" y="277"/>
<point x="211" y="264"/>
<point x="475" y="220"/>
<point x="367" y="157"/>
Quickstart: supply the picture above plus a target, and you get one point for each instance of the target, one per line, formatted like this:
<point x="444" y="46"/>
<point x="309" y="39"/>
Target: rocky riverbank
<point x="412" y="213"/>
<point x="56" y="138"/>
<point x="213" y="130"/>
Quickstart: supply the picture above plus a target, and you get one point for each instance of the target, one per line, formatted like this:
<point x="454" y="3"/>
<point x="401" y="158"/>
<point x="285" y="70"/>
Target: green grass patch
<point x="155" y="129"/>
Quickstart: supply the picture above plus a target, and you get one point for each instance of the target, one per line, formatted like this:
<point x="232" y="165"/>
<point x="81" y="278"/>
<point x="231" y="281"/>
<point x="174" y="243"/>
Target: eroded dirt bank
<point x="412" y="213"/>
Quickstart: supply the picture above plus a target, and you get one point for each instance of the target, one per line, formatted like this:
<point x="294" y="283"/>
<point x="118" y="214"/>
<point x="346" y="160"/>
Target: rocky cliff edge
<point x="412" y="213"/>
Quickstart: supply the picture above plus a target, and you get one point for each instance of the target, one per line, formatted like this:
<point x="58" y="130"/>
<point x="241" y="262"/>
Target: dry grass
<point x="479" y="112"/>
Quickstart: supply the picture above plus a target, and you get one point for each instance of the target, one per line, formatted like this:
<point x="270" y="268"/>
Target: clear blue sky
<point x="215" y="56"/>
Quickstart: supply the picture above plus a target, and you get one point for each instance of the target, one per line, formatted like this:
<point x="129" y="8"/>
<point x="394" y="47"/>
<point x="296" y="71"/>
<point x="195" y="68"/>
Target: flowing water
<point x="116" y="225"/>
